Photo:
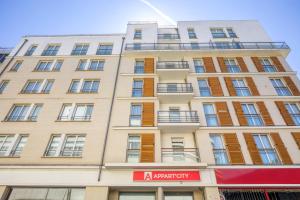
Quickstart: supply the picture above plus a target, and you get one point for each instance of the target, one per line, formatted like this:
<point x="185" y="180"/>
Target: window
<point x="136" y="115"/>
<point x="240" y="87"/>
<point x="70" y="145"/>
<point x="195" y="45"/>
<point x="137" y="46"/>
<point x="137" y="88"/>
<point x="137" y="196"/>
<point x="267" y="153"/>
<point x="30" y="51"/>
<point x="94" y="65"/>
<point x="137" y="34"/>
<point x="294" y="112"/>
<point x="139" y="67"/>
<point x="76" y="112"/>
<point x="178" y="149"/>
<point x="280" y="87"/>
<point x="104" y="49"/>
<point x="178" y="196"/>
<point x="133" y="149"/>
<point x="219" y="149"/>
<point x="24" y="112"/>
<point x="57" y="65"/>
<point x="267" y="65"/>
<point x="47" y="66"/>
<point x="218" y="33"/>
<point x="12" y="145"/>
<point x="37" y="86"/>
<point x="210" y="115"/>
<point x="51" y="50"/>
<point x="84" y="86"/>
<point x="231" y="33"/>
<point x="231" y="65"/>
<point x="16" y="66"/>
<point x="3" y="85"/>
<point x="252" y="116"/>
<point x="80" y="49"/>
<point x="191" y="33"/>
<point x="199" y="66"/>
<point x="224" y="45"/>
<point x="204" y="88"/>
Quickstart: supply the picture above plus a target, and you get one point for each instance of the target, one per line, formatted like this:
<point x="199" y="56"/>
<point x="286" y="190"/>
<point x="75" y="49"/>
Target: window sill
<point x="89" y="70"/>
<point x="61" y="157"/>
<point x="73" y="120"/>
<point x="10" y="157"/>
<point x="82" y="92"/>
<point x="44" y="71"/>
<point x="19" y="121"/>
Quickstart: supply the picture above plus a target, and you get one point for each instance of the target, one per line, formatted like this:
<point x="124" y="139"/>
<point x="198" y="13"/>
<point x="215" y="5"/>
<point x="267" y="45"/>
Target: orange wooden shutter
<point x="284" y="113"/>
<point x="234" y="149"/>
<point x="209" y="64"/>
<point x="291" y="85"/>
<point x="252" y="86"/>
<point x="215" y="86"/>
<point x="278" y="64"/>
<point x="279" y="145"/>
<point x="149" y="65"/>
<point x="147" y="147"/>
<point x="265" y="113"/>
<point x="242" y="64"/>
<point x="252" y="148"/>
<point x="148" y="114"/>
<point x="257" y="64"/>
<point x="239" y="112"/>
<point x="223" y="114"/>
<point x="296" y="136"/>
<point x="222" y="64"/>
<point x="230" y="86"/>
<point x="148" y="87"/>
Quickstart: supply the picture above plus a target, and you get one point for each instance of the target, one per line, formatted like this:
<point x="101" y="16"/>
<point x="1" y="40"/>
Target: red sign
<point x="166" y="176"/>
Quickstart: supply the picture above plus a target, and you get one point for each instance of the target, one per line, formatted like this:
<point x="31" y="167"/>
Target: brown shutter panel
<point x="264" y="113"/>
<point x="222" y="64"/>
<point x="147" y="147"/>
<point x="279" y="145"/>
<point x="239" y="112"/>
<point x="209" y="64"/>
<point x="148" y="114"/>
<point x="230" y="86"/>
<point x="223" y="114"/>
<point x="296" y="136"/>
<point x="148" y="87"/>
<point x="242" y="64"/>
<point x="284" y="113"/>
<point x="278" y="64"/>
<point x="252" y="148"/>
<point x="257" y="64"/>
<point x="252" y="86"/>
<point x="233" y="148"/>
<point x="149" y="65"/>
<point x="215" y="86"/>
<point x="291" y="85"/>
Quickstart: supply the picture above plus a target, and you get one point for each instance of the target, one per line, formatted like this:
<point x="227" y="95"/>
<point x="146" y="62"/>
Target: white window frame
<point x="52" y="68"/>
<point x="134" y="150"/>
<point x="29" y="50"/>
<point x="284" y="85"/>
<point x="43" y="83"/>
<point x="31" y="108"/>
<point x="138" y="36"/>
<point x="47" y="47"/>
<point x="14" y="68"/>
<point x="223" y="147"/>
<point x="81" y="84"/>
<point x="244" y="85"/>
<point x="73" y="108"/>
<point x="3" y="85"/>
<point x="207" y="86"/>
<point x="215" y="113"/>
<point x="80" y="50"/>
<point x="14" y="144"/>
<point x="200" y="60"/>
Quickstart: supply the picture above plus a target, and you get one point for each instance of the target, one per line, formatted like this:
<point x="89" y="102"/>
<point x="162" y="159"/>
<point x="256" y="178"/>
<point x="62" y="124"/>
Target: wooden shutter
<point x="281" y="149"/>
<point x="234" y="149"/>
<point x="252" y="148"/>
<point x="278" y="64"/>
<point x="222" y="64"/>
<point x="239" y="112"/>
<point x="147" y="147"/>
<point x="257" y="64"/>
<point x="230" y="86"/>
<point x="149" y="65"/>
<point x="296" y="136"/>
<point x="291" y="85"/>
<point x="284" y="113"/>
<point x="223" y="114"/>
<point x="148" y="87"/>
<point x="209" y="64"/>
<point x="242" y="64"/>
<point x="215" y="86"/>
<point x="252" y="86"/>
<point x="148" y="114"/>
<point x="264" y="113"/>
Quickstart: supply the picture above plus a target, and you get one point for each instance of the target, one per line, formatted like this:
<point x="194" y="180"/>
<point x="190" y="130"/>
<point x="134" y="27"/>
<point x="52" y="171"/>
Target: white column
<point x="96" y="193"/>
<point x="160" y="193"/>
<point x="212" y="193"/>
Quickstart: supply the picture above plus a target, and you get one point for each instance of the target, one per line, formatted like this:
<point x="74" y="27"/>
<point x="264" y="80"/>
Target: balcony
<point x="172" y="69"/>
<point x="168" y="36"/>
<point x="178" y="120"/>
<point x="180" y="155"/>
<point x="175" y="92"/>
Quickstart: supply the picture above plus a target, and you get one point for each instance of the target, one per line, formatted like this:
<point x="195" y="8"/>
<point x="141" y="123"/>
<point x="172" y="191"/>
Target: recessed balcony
<point x="175" y="92"/>
<point x="172" y="69"/>
<point x="168" y="36"/>
<point x="180" y="155"/>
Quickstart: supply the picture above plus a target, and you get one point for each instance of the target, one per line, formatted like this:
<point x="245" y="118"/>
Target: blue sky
<point x="280" y="18"/>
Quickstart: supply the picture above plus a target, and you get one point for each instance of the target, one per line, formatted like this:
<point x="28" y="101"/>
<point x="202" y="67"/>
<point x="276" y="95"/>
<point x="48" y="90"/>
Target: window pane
<point x="28" y="194"/>
<point x="5" y="144"/>
<point x="52" y="149"/>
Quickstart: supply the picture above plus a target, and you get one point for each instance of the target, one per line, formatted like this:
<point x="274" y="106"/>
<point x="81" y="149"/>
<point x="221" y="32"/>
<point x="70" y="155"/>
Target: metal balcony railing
<point x="178" y="155"/>
<point x="168" y="36"/>
<point x="174" y="88"/>
<point x="177" y="117"/>
<point x="172" y="65"/>
<point x="206" y="46"/>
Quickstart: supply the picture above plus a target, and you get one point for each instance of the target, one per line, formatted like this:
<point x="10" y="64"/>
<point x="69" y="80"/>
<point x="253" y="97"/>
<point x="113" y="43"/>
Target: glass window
<point x="80" y="49"/>
<point x="191" y="33"/>
<point x="219" y="149"/>
<point x="136" y="115"/>
<point x="34" y="112"/>
<point x="30" y="51"/>
<point x="136" y="195"/>
<point x="137" y="34"/>
<point x="204" y="88"/>
<point x="105" y="49"/>
<point x="218" y="33"/>
<point x="137" y="46"/>
<point x="240" y="87"/>
<point x="137" y="89"/>
<point x="74" y="87"/>
<point x="199" y="66"/>
<point x="53" y="146"/>
<point x="83" y="112"/>
<point x="294" y="112"/>
<point x="195" y="45"/>
<point x="280" y="88"/>
<point x="47" y="86"/>
<point x="90" y="86"/>
<point x="3" y="85"/>
<point x="96" y="65"/>
<point x="267" y="65"/>
<point x="210" y="115"/>
<point x="57" y="65"/>
<point x="23" y="112"/>
<point x="51" y="50"/>
<point x="252" y="116"/>
<point x="32" y="86"/>
<point x="178" y="196"/>
<point x="73" y="146"/>
<point x="6" y="143"/>
<point x="82" y="65"/>
<point x="139" y="67"/>
<point x="178" y="149"/>
<point x="66" y="112"/>
<point x="134" y="147"/>
<point x="44" y="66"/>
<point x="16" y="66"/>
<point x="231" y="33"/>
<point x="11" y="145"/>
<point x="17" y="150"/>
<point x="231" y="65"/>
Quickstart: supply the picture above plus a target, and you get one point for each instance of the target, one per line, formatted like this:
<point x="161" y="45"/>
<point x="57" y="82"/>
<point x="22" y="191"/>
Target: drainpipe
<point x="110" y="111"/>
<point x="11" y="59"/>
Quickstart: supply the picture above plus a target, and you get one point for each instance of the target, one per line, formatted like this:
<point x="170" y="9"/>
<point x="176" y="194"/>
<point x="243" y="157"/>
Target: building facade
<point x="204" y="110"/>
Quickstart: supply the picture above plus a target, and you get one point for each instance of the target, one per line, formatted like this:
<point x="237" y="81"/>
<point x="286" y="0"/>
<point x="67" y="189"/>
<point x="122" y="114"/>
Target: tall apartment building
<point x="205" y="110"/>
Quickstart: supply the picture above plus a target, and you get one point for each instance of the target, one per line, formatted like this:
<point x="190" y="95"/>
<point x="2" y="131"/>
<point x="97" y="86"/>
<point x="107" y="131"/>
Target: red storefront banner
<point x="258" y="176"/>
<point x="166" y="176"/>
